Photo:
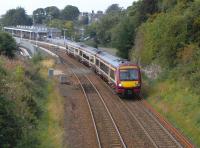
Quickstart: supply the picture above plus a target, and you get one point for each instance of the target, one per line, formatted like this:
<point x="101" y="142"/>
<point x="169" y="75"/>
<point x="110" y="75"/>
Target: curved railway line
<point x="140" y="127"/>
<point x="107" y="132"/>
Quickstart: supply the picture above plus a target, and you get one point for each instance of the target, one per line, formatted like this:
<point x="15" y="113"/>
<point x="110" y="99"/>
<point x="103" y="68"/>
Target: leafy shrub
<point x="10" y="124"/>
<point x="22" y="91"/>
<point x="7" y="44"/>
<point x="162" y="39"/>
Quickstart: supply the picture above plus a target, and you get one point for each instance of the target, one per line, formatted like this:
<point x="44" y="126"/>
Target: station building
<point x="33" y="32"/>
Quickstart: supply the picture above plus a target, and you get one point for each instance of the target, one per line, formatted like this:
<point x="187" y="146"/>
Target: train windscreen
<point x="129" y="74"/>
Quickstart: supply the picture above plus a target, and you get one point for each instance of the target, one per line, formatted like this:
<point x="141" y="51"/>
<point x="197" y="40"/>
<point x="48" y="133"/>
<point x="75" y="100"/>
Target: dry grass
<point x="180" y="106"/>
<point x="52" y="131"/>
<point x="11" y="64"/>
<point x="56" y="117"/>
<point x="48" y="63"/>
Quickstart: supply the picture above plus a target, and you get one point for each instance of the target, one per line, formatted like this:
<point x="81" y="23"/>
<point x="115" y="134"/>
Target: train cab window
<point x="129" y="74"/>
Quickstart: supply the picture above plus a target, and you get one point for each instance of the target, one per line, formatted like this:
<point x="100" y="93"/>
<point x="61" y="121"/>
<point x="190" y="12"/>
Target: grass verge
<point x="50" y="131"/>
<point x="179" y="105"/>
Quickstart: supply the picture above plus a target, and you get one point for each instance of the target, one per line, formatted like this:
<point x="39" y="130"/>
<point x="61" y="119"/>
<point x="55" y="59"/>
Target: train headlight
<point x="120" y="85"/>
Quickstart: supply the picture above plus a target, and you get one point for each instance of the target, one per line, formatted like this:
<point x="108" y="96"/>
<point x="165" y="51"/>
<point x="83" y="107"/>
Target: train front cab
<point x="128" y="80"/>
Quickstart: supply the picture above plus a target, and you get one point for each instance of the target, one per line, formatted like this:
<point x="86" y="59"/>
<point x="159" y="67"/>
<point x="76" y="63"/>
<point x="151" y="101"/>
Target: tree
<point x="7" y="44"/>
<point x="101" y="30"/>
<point x="114" y="8"/>
<point x="61" y="24"/>
<point x="15" y="17"/>
<point x="56" y="23"/>
<point x="105" y="26"/>
<point x="70" y="13"/>
<point x="123" y="36"/>
<point x="39" y="16"/>
<point x="163" y="38"/>
<point x="166" y="4"/>
<point x="52" y="12"/>
<point x="142" y="10"/>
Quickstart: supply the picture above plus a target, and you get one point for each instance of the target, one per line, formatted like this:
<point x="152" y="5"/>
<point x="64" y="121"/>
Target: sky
<point x="83" y="5"/>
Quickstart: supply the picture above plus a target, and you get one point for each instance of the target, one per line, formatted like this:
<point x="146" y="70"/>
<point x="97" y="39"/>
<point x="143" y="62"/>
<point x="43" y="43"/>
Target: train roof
<point x="105" y="56"/>
<point x="110" y="59"/>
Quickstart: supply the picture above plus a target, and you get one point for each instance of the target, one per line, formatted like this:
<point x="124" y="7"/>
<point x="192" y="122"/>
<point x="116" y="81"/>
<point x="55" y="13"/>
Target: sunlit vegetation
<point x="27" y="105"/>
<point x="177" y="102"/>
<point x="50" y="128"/>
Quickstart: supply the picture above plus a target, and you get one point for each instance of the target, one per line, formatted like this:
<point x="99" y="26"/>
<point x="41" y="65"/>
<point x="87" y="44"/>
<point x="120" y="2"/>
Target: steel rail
<point x="134" y="116"/>
<point x="89" y="106"/>
<point x="101" y="98"/>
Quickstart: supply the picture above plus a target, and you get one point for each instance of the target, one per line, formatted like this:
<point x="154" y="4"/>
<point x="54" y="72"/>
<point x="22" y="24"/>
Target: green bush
<point x="22" y="94"/>
<point x="10" y="124"/>
<point x="7" y="45"/>
<point x="162" y="39"/>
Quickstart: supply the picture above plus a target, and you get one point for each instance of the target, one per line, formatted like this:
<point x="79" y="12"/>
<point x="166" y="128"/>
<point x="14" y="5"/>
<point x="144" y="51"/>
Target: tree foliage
<point x="122" y="37"/>
<point x="162" y="39"/>
<point x="10" y="128"/>
<point x="15" y="17"/>
<point x="7" y="45"/>
<point x="53" y="12"/>
<point x="46" y="15"/>
<point x="61" y="24"/>
<point x="101" y="31"/>
<point x="21" y="93"/>
<point x="39" y="15"/>
<point x="114" y="8"/>
<point x="70" y="13"/>
<point x="117" y="28"/>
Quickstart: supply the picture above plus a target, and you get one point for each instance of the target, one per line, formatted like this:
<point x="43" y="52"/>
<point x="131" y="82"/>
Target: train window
<point x="80" y="53"/>
<point x="76" y="50"/>
<point x="85" y="56"/>
<point x="104" y="67"/>
<point x="92" y="59"/>
<point x="66" y="47"/>
<point x="112" y="74"/>
<point x="129" y="74"/>
<point x="97" y="62"/>
<point x="71" y="49"/>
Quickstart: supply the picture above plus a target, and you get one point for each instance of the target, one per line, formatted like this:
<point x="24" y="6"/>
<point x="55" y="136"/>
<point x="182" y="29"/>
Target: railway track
<point x="156" y="132"/>
<point x="107" y="132"/>
<point x="150" y="130"/>
<point x="146" y="126"/>
<point x="152" y="133"/>
<point x="162" y="132"/>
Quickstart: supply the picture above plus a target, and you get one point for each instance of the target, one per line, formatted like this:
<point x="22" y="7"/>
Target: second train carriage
<point x="123" y="75"/>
